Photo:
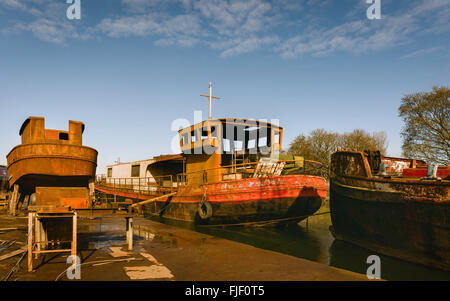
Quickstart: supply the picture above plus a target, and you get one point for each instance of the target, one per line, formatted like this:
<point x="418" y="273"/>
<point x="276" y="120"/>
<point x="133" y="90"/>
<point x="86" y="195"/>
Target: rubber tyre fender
<point x="204" y="210"/>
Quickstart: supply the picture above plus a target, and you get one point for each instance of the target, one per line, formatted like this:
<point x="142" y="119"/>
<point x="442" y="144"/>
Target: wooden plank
<point x="12" y="254"/>
<point x="153" y="199"/>
<point x="8" y="229"/>
<point x="52" y="251"/>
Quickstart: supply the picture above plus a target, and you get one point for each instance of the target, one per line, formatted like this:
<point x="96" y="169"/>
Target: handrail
<point x="145" y="185"/>
<point x="203" y="172"/>
<point x="156" y="185"/>
<point x="249" y="163"/>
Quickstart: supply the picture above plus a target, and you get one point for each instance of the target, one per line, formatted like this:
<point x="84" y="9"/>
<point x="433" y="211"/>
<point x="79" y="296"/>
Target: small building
<point x="146" y="171"/>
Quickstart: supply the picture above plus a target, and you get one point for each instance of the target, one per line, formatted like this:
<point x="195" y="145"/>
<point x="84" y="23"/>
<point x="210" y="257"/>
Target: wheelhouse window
<point x="213" y="132"/>
<point x="251" y="144"/>
<point x="194" y="136"/>
<point x="185" y="138"/>
<point x="63" y="136"/>
<point x="238" y="145"/>
<point x="226" y="145"/>
<point x="135" y="170"/>
<point x="109" y="172"/>
<point x="262" y="141"/>
<point x="204" y="132"/>
<point x="276" y="137"/>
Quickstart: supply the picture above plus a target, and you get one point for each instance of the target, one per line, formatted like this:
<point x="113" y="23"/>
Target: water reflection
<point x="312" y="240"/>
<point x="350" y="257"/>
<point x="292" y="239"/>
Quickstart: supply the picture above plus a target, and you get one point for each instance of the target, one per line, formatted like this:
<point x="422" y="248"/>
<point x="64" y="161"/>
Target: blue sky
<point x="129" y="68"/>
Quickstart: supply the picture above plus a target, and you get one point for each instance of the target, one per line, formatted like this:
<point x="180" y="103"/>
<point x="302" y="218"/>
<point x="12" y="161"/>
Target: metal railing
<point x="165" y="184"/>
<point x="146" y="186"/>
<point x="247" y="170"/>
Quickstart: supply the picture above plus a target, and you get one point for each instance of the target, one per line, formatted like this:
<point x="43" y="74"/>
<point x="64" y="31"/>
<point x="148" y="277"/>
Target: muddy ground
<point x="161" y="252"/>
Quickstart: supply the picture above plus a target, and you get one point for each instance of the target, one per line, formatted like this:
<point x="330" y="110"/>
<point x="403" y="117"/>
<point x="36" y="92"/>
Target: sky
<point x="129" y="68"/>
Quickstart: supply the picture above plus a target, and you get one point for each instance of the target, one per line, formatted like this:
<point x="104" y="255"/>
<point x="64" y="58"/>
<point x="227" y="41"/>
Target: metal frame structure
<point x="37" y="235"/>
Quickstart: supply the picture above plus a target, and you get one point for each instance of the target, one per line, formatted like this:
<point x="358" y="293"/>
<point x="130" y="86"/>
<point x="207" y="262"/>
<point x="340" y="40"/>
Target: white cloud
<point x="48" y="30"/>
<point x="151" y="25"/>
<point x="421" y="52"/>
<point x="12" y="4"/>
<point x="241" y="46"/>
<point x="234" y="27"/>
<point x="369" y="35"/>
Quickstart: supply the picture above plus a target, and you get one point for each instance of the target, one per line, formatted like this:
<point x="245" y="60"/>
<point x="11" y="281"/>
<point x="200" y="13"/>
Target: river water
<point x="312" y="240"/>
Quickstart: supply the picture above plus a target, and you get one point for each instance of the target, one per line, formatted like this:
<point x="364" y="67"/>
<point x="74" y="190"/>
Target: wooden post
<point x="38" y="232"/>
<point x="74" y="234"/>
<point x="43" y="235"/>
<point x="26" y="201"/>
<point x="13" y="200"/>
<point x="91" y="190"/>
<point x="129" y="234"/>
<point x="30" y="242"/>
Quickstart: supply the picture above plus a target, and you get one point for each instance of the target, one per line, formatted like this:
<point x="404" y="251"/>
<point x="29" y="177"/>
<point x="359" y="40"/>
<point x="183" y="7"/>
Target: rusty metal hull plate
<point x="31" y="165"/>
<point x="249" y="200"/>
<point x="410" y="221"/>
<point x="280" y="209"/>
<point x="72" y="197"/>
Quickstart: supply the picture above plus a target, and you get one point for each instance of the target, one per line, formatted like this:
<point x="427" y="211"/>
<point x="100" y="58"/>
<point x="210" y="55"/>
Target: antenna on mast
<point x="210" y="99"/>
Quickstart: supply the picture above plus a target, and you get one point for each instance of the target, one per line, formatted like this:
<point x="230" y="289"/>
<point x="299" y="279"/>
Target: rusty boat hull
<point x="278" y="199"/>
<point x="400" y="217"/>
<point x="49" y="164"/>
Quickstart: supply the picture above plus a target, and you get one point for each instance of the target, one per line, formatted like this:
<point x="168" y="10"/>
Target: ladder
<point x="237" y="157"/>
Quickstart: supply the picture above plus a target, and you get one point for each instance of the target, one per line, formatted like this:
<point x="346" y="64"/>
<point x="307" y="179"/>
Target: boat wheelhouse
<point x="224" y="149"/>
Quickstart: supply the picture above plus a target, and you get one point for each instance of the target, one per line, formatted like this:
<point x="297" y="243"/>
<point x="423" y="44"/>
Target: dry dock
<point x="161" y="252"/>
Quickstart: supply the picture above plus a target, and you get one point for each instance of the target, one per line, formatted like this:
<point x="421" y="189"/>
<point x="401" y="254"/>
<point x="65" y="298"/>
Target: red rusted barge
<point x="391" y="206"/>
<point x="230" y="177"/>
<point x="229" y="172"/>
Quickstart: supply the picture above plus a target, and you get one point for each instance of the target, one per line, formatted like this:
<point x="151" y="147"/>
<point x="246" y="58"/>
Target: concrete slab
<point x="148" y="272"/>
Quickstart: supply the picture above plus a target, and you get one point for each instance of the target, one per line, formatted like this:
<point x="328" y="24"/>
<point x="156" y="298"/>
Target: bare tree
<point x="320" y="144"/>
<point x="362" y="140"/>
<point x="426" y="131"/>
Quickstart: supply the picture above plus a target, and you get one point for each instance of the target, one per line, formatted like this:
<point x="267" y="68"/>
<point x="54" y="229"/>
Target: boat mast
<point x="210" y="99"/>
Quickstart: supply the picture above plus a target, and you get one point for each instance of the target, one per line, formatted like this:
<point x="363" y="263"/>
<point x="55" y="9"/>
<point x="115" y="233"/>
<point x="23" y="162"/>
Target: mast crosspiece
<point x="210" y="99"/>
